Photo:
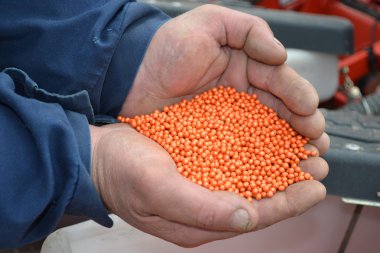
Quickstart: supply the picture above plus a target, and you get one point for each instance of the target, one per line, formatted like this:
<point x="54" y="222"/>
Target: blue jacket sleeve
<point x="84" y="56"/>
<point x="45" y="160"/>
<point x="69" y="46"/>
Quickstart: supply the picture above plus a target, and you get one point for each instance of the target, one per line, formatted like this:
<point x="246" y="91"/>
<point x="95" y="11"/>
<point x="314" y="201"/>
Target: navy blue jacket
<point x="64" y="63"/>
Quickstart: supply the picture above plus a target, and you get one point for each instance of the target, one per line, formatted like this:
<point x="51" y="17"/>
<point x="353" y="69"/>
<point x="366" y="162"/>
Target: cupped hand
<point x="138" y="181"/>
<point x="212" y="46"/>
<point x="205" y="48"/>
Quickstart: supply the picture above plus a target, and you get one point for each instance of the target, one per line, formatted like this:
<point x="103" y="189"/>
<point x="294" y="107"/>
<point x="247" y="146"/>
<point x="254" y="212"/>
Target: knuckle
<point x="259" y="21"/>
<point x="293" y="210"/>
<point x="208" y="7"/>
<point x="206" y="217"/>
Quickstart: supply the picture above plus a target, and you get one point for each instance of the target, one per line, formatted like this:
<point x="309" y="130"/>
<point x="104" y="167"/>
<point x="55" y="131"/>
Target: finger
<point x="243" y="31"/>
<point x="311" y="147"/>
<point x="193" y="205"/>
<point x="182" y="235"/>
<point x="236" y="72"/>
<point x="260" y="44"/>
<point x="322" y="143"/>
<point x="316" y="166"/>
<point x="294" y="201"/>
<point x="299" y="96"/>
<point x="311" y="126"/>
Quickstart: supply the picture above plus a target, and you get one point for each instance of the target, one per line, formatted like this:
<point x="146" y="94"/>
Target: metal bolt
<point x="352" y="146"/>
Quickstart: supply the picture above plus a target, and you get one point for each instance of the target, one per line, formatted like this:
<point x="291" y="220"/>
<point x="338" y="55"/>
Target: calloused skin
<point x="204" y="48"/>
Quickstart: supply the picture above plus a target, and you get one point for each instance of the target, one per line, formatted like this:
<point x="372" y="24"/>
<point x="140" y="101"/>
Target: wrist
<point x="100" y="137"/>
<point x="95" y="135"/>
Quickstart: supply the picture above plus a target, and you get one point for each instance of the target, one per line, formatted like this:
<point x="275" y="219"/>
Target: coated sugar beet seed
<point x="227" y="140"/>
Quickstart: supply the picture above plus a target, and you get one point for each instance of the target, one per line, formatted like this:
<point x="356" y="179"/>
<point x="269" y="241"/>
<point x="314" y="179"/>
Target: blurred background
<point x="335" y="45"/>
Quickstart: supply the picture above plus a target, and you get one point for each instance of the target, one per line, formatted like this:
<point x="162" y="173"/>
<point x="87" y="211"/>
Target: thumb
<point x="244" y="31"/>
<point x="190" y="204"/>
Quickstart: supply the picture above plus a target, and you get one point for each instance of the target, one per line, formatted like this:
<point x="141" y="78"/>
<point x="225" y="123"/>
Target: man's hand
<point x="138" y="181"/>
<point x="204" y="48"/>
<point x="212" y="46"/>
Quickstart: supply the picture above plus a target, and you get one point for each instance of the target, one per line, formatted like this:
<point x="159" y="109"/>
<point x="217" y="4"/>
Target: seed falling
<point x="227" y="140"/>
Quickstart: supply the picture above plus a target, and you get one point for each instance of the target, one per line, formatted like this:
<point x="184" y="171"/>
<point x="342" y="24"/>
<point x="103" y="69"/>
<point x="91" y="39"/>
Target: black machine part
<point x="354" y="155"/>
<point x="368" y="105"/>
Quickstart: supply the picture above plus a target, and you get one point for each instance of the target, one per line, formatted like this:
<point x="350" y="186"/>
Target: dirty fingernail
<point x="241" y="221"/>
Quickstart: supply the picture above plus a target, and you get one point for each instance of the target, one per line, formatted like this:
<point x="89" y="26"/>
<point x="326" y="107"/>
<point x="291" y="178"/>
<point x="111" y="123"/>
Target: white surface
<point x="321" y="229"/>
<point x="318" y="68"/>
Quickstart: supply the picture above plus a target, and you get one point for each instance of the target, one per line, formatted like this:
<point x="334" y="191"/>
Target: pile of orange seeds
<point x="227" y="140"/>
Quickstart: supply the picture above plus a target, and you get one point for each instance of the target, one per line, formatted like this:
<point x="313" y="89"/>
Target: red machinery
<point x="364" y="63"/>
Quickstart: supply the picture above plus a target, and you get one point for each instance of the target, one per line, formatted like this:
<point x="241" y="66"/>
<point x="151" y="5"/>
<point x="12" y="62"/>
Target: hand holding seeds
<point x="195" y="52"/>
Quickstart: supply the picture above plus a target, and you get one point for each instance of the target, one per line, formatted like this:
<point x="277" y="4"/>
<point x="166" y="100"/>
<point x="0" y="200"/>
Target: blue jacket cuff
<point x="85" y="200"/>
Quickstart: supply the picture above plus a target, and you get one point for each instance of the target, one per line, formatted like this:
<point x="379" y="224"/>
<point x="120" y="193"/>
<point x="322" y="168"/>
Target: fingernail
<point x="241" y="221"/>
<point x="277" y="42"/>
